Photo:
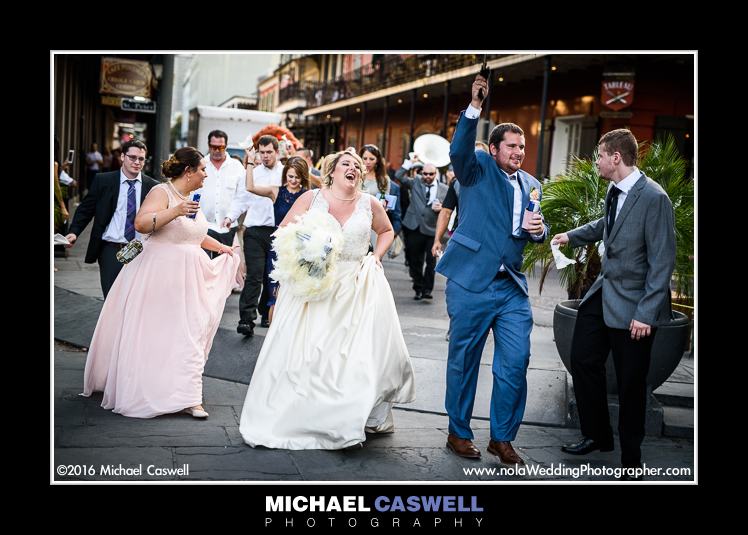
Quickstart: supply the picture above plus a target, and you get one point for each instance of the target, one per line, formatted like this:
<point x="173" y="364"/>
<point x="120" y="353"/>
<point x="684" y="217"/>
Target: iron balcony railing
<point x="384" y="71"/>
<point x="302" y="90"/>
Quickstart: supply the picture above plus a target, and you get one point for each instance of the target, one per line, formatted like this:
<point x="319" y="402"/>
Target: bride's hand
<point x="379" y="261"/>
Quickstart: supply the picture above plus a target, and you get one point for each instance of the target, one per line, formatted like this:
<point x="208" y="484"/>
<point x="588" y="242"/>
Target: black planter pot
<point x="670" y="342"/>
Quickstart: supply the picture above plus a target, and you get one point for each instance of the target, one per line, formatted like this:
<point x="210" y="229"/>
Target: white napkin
<point x="561" y="260"/>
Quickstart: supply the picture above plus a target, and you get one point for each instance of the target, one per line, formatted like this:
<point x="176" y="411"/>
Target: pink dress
<point x="157" y="325"/>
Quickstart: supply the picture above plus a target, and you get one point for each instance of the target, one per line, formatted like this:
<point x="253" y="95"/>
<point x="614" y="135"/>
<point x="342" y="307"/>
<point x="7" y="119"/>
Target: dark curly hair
<point x="497" y="134"/>
<point x="185" y="158"/>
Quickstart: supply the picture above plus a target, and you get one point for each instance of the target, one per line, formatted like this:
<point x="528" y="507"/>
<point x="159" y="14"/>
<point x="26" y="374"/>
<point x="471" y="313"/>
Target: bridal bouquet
<point x="307" y="252"/>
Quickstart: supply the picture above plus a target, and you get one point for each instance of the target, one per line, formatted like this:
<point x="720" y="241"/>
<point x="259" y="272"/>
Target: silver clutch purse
<point x="130" y="251"/>
<point x="134" y="247"/>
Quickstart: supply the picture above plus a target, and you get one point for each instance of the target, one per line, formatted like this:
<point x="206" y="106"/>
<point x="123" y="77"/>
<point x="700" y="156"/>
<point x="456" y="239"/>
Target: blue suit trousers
<point x="505" y="308"/>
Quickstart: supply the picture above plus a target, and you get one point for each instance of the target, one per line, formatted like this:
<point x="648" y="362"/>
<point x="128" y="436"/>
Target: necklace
<point x="341" y="198"/>
<point x="174" y="188"/>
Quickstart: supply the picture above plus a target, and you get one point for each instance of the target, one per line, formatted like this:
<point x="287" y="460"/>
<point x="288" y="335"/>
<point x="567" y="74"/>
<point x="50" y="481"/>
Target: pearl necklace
<point x="174" y="188"/>
<point x="341" y="198"/>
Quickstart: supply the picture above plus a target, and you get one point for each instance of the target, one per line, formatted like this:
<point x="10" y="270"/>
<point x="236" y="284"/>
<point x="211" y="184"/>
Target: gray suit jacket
<point x="639" y="257"/>
<point x="419" y="215"/>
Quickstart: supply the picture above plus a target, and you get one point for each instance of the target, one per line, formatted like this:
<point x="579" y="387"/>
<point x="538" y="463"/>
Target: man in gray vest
<point x="419" y="226"/>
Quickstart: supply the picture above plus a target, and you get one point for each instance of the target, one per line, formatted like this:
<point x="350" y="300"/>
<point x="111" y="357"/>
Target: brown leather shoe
<point x="462" y="447"/>
<point x="505" y="452"/>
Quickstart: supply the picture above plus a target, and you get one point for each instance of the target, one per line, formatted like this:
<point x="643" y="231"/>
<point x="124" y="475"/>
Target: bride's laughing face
<point x="347" y="172"/>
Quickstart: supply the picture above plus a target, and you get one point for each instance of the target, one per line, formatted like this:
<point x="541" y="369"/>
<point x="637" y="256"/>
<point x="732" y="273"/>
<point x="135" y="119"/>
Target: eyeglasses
<point x="134" y="158"/>
<point x="428" y="174"/>
<point x="219" y="148"/>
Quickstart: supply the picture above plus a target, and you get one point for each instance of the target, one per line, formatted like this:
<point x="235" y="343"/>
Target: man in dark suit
<point x="486" y="289"/>
<point x="630" y="297"/>
<point x="112" y="201"/>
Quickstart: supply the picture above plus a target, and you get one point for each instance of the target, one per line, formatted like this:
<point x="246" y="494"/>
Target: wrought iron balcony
<point x="384" y="71"/>
<point x="302" y="90"/>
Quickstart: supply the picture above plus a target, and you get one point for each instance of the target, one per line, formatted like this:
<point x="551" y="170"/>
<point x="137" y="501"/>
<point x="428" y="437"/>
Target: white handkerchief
<point x="559" y="258"/>
<point x="60" y="239"/>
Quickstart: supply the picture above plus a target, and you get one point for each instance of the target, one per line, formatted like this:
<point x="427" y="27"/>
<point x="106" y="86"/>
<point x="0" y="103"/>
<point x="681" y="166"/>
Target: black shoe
<point x="418" y="296"/>
<point x="587" y="445"/>
<point x="247" y="329"/>
<point x="264" y="322"/>
<point x="427" y="295"/>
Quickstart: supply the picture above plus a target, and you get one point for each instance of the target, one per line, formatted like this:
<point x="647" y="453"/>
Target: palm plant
<point x="578" y="197"/>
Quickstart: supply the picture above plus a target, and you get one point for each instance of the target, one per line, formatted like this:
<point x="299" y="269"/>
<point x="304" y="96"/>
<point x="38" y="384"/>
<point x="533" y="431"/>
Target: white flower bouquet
<point x="307" y="252"/>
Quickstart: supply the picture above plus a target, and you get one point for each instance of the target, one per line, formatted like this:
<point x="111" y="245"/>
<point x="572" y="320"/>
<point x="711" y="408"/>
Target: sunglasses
<point x="428" y="174"/>
<point x="134" y="158"/>
<point x="219" y="148"/>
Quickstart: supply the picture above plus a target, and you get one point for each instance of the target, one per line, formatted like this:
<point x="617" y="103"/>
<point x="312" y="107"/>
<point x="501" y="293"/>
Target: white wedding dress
<point x="329" y="368"/>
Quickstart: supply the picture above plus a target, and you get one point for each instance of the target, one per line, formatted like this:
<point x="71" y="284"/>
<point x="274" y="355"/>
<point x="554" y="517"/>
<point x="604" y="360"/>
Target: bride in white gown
<point x="329" y="369"/>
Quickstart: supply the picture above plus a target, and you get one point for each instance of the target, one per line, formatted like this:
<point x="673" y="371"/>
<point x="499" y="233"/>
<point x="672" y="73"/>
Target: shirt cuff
<point x="472" y="112"/>
<point x="540" y="237"/>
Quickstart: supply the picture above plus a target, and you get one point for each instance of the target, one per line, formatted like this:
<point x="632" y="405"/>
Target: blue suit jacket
<point x="484" y="239"/>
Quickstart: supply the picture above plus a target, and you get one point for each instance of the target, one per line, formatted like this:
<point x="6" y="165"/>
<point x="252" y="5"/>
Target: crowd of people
<point x="331" y="369"/>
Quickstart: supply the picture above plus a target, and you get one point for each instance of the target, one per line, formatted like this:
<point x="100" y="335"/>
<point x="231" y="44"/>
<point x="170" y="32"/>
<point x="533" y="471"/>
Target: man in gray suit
<point x="629" y="299"/>
<point x="419" y="226"/>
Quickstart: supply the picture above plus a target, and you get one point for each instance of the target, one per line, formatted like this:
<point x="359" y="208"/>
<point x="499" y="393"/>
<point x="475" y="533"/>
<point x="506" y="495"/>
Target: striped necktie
<point x="130" y="220"/>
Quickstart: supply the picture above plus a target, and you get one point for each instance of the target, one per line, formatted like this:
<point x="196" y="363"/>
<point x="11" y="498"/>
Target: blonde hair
<point x="331" y="160"/>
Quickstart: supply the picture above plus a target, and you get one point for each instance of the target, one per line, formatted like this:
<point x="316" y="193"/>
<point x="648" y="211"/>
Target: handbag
<point x="128" y="253"/>
<point x="134" y="247"/>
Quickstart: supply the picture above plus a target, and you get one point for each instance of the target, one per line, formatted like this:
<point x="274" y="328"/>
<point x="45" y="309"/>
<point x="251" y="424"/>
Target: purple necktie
<point x="130" y="221"/>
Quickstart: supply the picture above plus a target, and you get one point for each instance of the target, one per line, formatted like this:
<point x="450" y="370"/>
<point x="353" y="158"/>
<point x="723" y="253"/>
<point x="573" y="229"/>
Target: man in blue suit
<point x="486" y="289"/>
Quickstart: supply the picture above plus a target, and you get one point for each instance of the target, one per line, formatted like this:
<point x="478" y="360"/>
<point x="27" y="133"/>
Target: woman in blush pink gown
<point x="157" y="325"/>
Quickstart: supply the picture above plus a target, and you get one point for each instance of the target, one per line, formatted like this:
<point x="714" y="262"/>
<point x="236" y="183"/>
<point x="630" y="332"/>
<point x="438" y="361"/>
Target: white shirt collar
<point x="209" y="161"/>
<point x="432" y="191"/>
<point x="511" y="176"/>
<point x="627" y="183"/>
<point x="123" y="177"/>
